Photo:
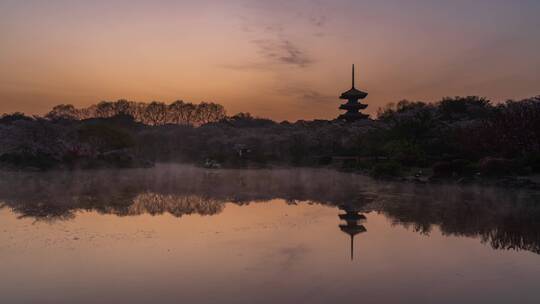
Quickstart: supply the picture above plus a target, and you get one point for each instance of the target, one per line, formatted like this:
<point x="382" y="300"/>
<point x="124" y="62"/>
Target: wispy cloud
<point x="276" y="39"/>
<point x="318" y="21"/>
<point x="304" y="94"/>
<point x="282" y="51"/>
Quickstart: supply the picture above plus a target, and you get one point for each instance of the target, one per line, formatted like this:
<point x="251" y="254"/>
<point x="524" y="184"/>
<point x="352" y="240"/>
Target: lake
<point x="181" y="234"/>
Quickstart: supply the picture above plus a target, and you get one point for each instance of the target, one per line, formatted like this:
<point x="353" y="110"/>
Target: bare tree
<point x="209" y="112"/>
<point x="174" y="113"/>
<point x="64" y="111"/>
<point x="105" y="109"/>
<point x="155" y="113"/>
<point x="123" y="107"/>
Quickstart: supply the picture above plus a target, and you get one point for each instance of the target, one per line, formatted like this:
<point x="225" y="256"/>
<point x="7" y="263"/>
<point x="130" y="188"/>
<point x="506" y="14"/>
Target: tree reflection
<point x="505" y="219"/>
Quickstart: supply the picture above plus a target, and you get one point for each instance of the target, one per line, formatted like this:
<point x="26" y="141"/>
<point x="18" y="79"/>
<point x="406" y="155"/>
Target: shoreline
<point x="530" y="182"/>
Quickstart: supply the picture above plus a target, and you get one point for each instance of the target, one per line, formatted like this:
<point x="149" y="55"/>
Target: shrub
<point x="470" y="107"/>
<point x="532" y="161"/>
<point x="24" y="159"/>
<point x="405" y="152"/>
<point x="463" y="167"/>
<point x="442" y="169"/>
<point x="8" y="119"/>
<point x="386" y="169"/>
<point x="491" y="166"/>
<point x="104" y="137"/>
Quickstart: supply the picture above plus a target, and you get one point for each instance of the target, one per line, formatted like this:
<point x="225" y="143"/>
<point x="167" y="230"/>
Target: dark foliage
<point x="455" y="136"/>
<point x="8" y="119"/>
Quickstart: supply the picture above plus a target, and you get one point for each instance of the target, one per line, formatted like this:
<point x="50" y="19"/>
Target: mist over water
<point x="172" y="233"/>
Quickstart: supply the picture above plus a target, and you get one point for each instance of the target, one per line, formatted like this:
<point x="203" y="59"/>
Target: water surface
<point x="178" y="234"/>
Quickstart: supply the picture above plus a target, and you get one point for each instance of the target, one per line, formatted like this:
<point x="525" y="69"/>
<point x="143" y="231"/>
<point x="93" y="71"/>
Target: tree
<point x="8" y="119"/>
<point x="123" y="107"/>
<point x="105" y="109"/>
<point x="63" y="111"/>
<point x="459" y="108"/>
<point x="103" y="137"/>
<point x="209" y="112"/>
<point x="188" y="113"/>
<point x="181" y="113"/>
<point x="173" y="112"/>
<point x="155" y="113"/>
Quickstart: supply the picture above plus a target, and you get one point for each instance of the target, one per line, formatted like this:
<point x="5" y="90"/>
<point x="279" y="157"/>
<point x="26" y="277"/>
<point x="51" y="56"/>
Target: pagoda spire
<point x="353" y="75"/>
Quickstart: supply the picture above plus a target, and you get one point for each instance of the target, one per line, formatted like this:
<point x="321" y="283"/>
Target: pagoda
<point x="353" y="226"/>
<point x="353" y="106"/>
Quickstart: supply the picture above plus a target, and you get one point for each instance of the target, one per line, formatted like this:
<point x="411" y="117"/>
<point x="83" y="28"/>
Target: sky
<point x="278" y="59"/>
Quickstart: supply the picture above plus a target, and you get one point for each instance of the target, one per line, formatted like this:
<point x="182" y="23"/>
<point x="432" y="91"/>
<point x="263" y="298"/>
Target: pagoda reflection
<point x="353" y="223"/>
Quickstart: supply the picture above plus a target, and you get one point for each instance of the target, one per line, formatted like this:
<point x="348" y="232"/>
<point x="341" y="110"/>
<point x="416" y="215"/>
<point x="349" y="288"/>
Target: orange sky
<point x="278" y="59"/>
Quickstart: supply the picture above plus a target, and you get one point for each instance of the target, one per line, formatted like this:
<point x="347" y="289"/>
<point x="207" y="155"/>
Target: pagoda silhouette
<point x="352" y="226"/>
<point x="353" y="106"/>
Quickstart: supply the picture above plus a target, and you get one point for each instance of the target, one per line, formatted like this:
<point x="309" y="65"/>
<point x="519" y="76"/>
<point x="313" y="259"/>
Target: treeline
<point x="453" y="137"/>
<point x="154" y="113"/>
<point x="468" y="127"/>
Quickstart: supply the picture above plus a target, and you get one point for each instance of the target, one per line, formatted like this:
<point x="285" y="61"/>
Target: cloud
<point x="310" y="95"/>
<point x="305" y="95"/>
<point x="282" y="51"/>
<point x="318" y="21"/>
<point x="272" y="52"/>
<point x="278" y="31"/>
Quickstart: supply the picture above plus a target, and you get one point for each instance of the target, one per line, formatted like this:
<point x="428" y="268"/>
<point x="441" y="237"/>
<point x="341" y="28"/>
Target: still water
<point x="179" y="234"/>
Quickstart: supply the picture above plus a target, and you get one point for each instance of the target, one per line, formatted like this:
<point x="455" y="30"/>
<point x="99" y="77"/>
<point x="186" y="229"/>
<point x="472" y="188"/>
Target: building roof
<point x="353" y="93"/>
<point x="353" y="106"/>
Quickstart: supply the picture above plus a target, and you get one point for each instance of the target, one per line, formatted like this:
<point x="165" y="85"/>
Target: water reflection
<point x="501" y="218"/>
<point x="352" y="225"/>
